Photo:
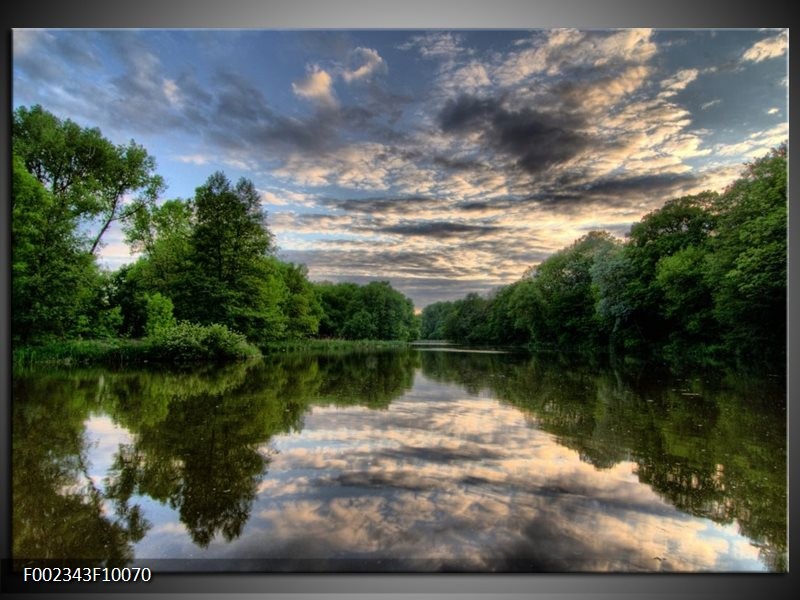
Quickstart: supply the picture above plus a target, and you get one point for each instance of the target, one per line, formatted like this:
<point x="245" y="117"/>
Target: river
<point x="401" y="460"/>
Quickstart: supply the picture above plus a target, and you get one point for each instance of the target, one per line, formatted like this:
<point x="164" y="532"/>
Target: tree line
<point x="207" y="268"/>
<point x="703" y="275"/>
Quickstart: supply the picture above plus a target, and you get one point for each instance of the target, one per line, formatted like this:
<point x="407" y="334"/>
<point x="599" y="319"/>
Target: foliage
<point x="375" y="311"/>
<point x="159" y="315"/>
<point x="190" y="342"/>
<point x="54" y="276"/>
<point x="87" y="175"/>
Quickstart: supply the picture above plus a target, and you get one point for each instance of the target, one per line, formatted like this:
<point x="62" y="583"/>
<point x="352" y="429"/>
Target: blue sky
<point x="443" y="161"/>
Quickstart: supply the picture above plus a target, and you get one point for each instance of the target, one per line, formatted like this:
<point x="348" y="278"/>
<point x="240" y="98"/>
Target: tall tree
<point x="233" y="282"/>
<point x="53" y="275"/>
<point x="748" y="269"/>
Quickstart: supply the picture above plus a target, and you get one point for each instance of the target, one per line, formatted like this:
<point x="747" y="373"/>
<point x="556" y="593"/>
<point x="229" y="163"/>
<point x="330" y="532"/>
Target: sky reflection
<point x="435" y="479"/>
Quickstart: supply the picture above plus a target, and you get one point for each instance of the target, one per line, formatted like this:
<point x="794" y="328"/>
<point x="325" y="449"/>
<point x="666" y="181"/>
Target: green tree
<point x="337" y="301"/>
<point x="300" y="306"/>
<point x="232" y="279"/>
<point x="375" y="311"/>
<point x="681" y="223"/>
<point x="163" y="235"/>
<point x="433" y="320"/>
<point x="467" y="323"/>
<point x="53" y="274"/>
<point x="558" y="305"/>
<point x="87" y="175"/>
<point x="748" y="269"/>
<point x="159" y="314"/>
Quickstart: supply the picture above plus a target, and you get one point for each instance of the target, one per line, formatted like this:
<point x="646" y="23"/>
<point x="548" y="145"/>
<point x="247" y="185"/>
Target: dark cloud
<point x="438" y="229"/>
<point x="659" y="185"/>
<point x="537" y="140"/>
<point x="53" y="48"/>
<point x="482" y="205"/>
<point x="399" y="205"/>
<point x="456" y="164"/>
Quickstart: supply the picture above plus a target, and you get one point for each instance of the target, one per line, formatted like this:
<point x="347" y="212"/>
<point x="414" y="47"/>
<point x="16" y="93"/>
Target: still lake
<point x="411" y="460"/>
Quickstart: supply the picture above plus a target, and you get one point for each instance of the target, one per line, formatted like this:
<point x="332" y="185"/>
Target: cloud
<point x="537" y="140"/>
<point x="773" y="111"/>
<point x="561" y="51"/>
<point x="771" y="47"/>
<point x="438" y="229"/>
<point x="679" y="81"/>
<point x="282" y="197"/>
<point x="317" y="87"/>
<point x="369" y="63"/>
<point x="710" y="103"/>
<point x="193" y="159"/>
<point x="435" y="45"/>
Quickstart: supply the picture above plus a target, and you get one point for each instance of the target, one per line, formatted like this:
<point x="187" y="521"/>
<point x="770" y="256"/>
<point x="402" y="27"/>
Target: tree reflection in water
<point x="200" y="441"/>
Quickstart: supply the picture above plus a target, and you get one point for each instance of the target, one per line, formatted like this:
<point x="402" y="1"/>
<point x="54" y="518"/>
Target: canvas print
<point x="399" y="301"/>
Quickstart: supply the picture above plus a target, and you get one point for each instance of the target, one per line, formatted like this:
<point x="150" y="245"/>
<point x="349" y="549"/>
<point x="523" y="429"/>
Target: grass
<point x="182" y="344"/>
<point x="331" y="345"/>
<point x="80" y="352"/>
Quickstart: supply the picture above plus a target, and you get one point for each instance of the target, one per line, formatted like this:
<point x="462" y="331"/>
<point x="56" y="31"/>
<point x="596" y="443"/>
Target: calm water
<point x="404" y="460"/>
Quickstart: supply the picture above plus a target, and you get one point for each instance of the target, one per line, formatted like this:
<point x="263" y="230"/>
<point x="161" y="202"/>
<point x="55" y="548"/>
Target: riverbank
<point x="191" y="346"/>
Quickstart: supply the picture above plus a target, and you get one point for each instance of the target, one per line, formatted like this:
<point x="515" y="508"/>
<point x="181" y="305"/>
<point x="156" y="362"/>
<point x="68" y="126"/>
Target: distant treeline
<point x="703" y="275"/>
<point x="208" y="272"/>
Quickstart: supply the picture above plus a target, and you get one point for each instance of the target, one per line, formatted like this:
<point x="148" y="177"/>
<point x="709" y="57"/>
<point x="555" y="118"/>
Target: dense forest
<point x="207" y="280"/>
<point x="704" y="275"/>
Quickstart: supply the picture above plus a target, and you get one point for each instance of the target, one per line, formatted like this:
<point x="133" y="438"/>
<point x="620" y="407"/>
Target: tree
<point x="748" y="269"/>
<point x="681" y="223"/>
<point x="560" y="298"/>
<point x="375" y="311"/>
<point x="467" y="323"/>
<point x="433" y="320"/>
<point x="300" y="305"/>
<point x="163" y="234"/>
<point x="54" y="278"/>
<point x="233" y="281"/>
<point x="87" y="175"/>
<point x="337" y="302"/>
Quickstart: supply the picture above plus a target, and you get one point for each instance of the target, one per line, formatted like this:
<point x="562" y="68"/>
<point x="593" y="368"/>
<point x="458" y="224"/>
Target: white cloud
<point x="710" y="103"/>
<point x="369" y="61"/>
<point x="569" y="48"/>
<point x="193" y="159"/>
<point x="317" y="87"/>
<point x="679" y="81"/>
<point x="770" y="47"/>
<point x="773" y="111"/>
<point x="435" y="45"/>
<point x="282" y="197"/>
<point x="172" y="92"/>
<point x="25" y="40"/>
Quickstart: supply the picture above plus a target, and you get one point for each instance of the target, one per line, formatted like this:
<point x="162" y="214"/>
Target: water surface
<point x="410" y="460"/>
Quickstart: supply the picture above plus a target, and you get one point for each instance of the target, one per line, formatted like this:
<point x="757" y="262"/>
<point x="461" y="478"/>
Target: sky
<point x="444" y="162"/>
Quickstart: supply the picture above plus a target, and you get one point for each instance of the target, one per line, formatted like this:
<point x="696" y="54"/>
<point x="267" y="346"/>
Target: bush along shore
<point x="180" y="344"/>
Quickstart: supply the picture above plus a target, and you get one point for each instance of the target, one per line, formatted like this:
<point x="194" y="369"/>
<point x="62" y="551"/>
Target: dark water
<point x="405" y="460"/>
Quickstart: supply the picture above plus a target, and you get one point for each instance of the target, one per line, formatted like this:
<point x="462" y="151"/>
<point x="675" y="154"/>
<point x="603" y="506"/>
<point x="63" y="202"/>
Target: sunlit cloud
<point x="367" y="63"/>
<point x="771" y="47"/>
<point x="317" y="87"/>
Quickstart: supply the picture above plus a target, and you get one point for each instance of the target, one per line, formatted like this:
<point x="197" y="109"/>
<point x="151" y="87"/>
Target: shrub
<point x="189" y="342"/>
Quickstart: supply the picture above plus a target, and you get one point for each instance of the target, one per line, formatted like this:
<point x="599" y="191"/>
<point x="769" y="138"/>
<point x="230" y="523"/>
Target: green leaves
<point x="375" y="311"/>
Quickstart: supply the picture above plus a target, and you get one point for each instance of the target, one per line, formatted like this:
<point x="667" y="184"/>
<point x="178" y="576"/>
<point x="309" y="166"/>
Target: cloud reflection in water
<point x="445" y="480"/>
